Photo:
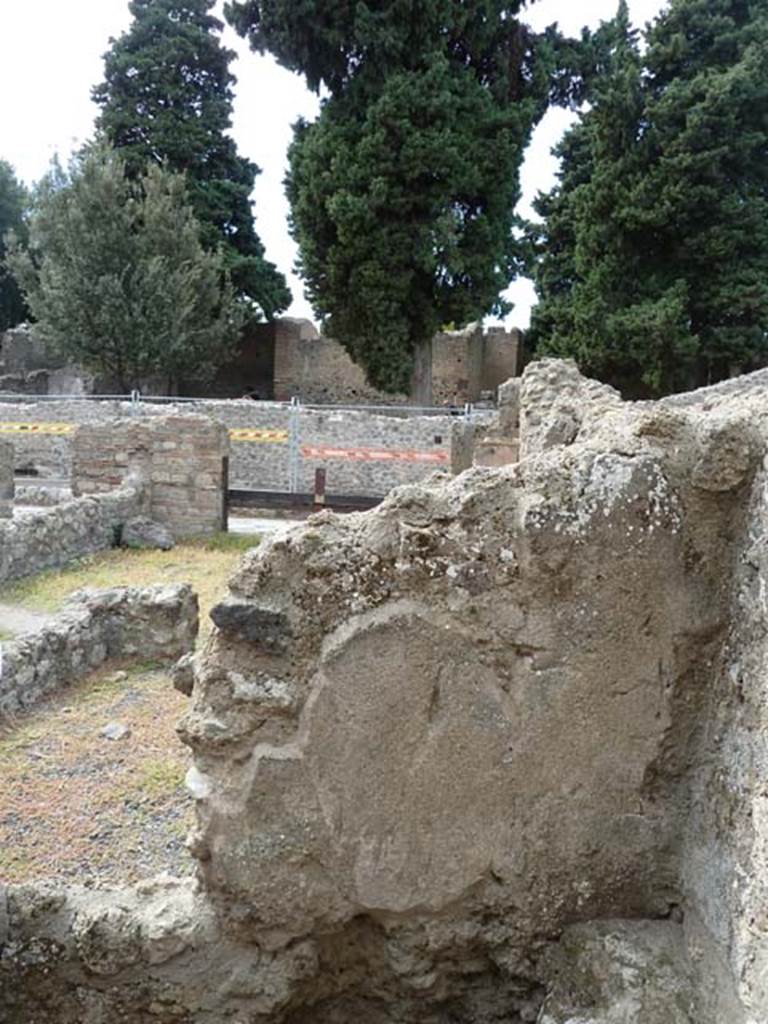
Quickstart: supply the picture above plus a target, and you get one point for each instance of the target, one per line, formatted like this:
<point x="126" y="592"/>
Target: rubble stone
<point x="143" y="532"/>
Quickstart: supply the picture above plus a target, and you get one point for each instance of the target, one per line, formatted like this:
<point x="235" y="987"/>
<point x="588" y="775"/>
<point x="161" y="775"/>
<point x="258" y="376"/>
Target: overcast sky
<point x="51" y="55"/>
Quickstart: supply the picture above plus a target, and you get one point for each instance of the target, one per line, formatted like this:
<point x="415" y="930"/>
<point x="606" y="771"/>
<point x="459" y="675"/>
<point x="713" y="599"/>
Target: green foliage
<point x="403" y="191"/>
<point x="117" y="278"/>
<point x="13" y="203"/>
<point x="653" y="255"/>
<point x="167" y="99"/>
<point x="335" y="42"/>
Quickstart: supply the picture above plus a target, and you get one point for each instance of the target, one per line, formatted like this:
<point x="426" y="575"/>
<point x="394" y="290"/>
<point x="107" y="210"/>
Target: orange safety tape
<point x="324" y="451"/>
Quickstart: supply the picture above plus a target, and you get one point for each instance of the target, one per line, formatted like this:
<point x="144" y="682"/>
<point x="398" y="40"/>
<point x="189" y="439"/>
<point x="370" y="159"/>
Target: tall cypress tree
<point x="653" y="255"/>
<point x="167" y="99"/>
<point x="13" y="203"/>
<point x="403" y="191"/>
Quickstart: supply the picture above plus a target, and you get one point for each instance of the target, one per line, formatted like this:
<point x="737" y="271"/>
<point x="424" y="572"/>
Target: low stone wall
<point x="40" y="495"/>
<point x="362" y="452"/>
<point x="152" y="623"/>
<point x="43" y="440"/>
<point x="38" y="539"/>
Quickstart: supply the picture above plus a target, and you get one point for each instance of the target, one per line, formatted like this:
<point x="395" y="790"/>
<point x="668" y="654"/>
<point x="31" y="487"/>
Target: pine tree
<point x="403" y="191"/>
<point x="13" y="203"/>
<point x="653" y="255"/>
<point x="116" y="277"/>
<point x="167" y="99"/>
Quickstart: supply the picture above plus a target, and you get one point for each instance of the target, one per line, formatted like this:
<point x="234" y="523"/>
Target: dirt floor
<point x="75" y="805"/>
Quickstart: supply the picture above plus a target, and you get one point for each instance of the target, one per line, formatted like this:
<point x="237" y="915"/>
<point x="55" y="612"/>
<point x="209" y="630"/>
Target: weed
<point x="159" y="777"/>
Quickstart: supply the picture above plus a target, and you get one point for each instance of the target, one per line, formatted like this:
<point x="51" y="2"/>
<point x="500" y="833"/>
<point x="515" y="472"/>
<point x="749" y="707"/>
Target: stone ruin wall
<point x="7" y="482"/>
<point x="150" y="623"/>
<point x="283" y="359"/>
<point x="253" y="465"/>
<point x="48" y="538"/>
<point x="28" y="367"/>
<point x="178" y="461"/>
<point x="169" y="468"/>
<point x="493" y="752"/>
<point x="465" y="363"/>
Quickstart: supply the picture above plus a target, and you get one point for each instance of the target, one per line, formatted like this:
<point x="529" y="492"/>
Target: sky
<point x="51" y="56"/>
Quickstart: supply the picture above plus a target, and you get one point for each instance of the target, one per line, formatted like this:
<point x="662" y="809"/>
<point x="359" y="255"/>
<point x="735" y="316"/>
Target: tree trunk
<point x="421" y="375"/>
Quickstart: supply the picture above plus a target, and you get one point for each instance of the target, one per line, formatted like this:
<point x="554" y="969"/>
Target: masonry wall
<point x="457" y="366"/>
<point x="48" y="452"/>
<point x="280" y="360"/>
<point x="249" y="374"/>
<point x="125" y="622"/>
<point x="317" y="369"/>
<point x="370" y="453"/>
<point x="48" y="538"/>
<point x="502" y="357"/>
<point x="22" y="352"/>
<point x="179" y="460"/>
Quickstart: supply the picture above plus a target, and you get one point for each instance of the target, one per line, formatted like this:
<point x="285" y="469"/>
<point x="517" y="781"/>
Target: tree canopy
<point x="116" y="277"/>
<point x="13" y="203"/>
<point x="167" y="98"/>
<point x="653" y="253"/>
<point x="403" y="191"/>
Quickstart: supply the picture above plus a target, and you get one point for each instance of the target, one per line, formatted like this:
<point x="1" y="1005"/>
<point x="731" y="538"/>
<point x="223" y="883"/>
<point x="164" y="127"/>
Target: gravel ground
<point x="78" y="807"/>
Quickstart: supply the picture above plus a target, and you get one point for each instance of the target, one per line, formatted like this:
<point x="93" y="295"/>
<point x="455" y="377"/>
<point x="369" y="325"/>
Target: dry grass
<point x="79" y="807"/>
<point x="74" y="805"/>
<point x="205" y="563"/>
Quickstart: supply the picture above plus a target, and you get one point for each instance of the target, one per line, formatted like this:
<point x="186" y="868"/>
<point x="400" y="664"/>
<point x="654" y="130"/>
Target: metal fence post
<point x="225" y="494"/>
<point x="294" y="446"/>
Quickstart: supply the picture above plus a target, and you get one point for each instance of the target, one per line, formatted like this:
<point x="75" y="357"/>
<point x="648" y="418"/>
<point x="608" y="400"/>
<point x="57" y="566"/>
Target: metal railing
<point x="136" y="398"/>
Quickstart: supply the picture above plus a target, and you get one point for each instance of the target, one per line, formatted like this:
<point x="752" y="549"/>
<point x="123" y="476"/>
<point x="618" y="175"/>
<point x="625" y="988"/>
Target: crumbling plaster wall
<point x="493" y="752"/>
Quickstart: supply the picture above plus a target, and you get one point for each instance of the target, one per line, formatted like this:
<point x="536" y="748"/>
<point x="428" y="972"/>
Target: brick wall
<point x="457" y="366"/>
<point x="178" y="459"/>
<point x="502" y="357"/>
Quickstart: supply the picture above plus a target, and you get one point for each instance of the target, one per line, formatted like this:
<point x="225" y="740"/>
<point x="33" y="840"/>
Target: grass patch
<point x="159" y="777"/>
<point x="225" y="542"/>
<point x="75" y="805"/>
<point x="15" y="865"/>
<point x="206" y="563"/>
